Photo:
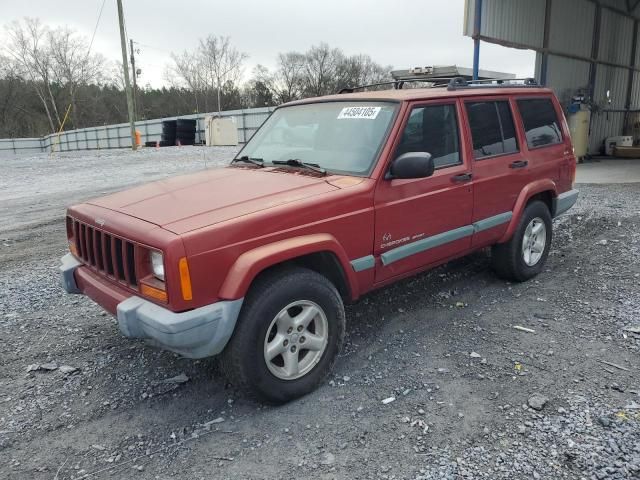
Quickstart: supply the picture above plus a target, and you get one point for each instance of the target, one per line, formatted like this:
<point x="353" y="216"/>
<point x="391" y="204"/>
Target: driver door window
<point x="433" y="129"/>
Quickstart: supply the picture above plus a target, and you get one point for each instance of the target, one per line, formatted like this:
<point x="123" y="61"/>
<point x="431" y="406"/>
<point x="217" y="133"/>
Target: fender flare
<point x="248" y="265"/>
<point x="533" y="188"/>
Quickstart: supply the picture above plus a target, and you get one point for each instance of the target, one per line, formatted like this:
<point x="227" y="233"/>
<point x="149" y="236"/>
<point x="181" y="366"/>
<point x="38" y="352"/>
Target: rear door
<point x="548" y="146"/>
<point x="425" y="220"/>
<point x="500" y="167"/>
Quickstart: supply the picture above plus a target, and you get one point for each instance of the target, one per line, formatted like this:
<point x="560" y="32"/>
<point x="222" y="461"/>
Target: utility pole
<point x="135" y="87"/>
<point x="127" y="85"/>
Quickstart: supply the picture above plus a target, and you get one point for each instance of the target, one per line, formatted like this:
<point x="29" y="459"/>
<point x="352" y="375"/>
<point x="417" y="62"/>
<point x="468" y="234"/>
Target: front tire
<point x="524" y="255"/>
<point x="289" y="333"/>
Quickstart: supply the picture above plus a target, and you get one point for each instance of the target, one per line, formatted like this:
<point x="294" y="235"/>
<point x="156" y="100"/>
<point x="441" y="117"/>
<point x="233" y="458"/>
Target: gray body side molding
<point x="564" y="202"/>
<point x="428" y="243"/>
<point x="363" y="263"/>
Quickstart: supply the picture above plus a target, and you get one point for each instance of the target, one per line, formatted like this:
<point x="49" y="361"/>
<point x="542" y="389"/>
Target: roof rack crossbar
<point x="397" y="84"/>
<point x="458" y="83"/>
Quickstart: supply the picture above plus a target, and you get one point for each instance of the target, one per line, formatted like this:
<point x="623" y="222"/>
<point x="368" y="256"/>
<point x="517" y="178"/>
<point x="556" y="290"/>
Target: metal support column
<point x="477" y="23"/>
<point x="634" y="45"/>
<point x="545" y="43"/>
<point x="595" y="47"/>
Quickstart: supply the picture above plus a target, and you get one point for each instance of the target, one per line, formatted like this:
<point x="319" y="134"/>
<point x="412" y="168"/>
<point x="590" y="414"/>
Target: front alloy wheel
<point x="296" y="340"/>
<point x="289" y="333"/>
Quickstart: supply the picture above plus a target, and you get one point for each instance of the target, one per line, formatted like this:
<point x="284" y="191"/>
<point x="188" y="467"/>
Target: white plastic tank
<point x="579" y="128"/>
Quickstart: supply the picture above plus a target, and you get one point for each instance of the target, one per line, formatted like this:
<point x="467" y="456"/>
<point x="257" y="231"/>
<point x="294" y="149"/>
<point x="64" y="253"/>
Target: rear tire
<point x="289" y="333"/>
<point x="524" y="255"/>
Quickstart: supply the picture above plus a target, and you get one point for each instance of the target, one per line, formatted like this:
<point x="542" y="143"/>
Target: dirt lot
<point x="442" y="344"/>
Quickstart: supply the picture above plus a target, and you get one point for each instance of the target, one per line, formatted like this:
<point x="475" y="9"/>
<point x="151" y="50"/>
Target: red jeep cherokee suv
<point x="331" y="198"/>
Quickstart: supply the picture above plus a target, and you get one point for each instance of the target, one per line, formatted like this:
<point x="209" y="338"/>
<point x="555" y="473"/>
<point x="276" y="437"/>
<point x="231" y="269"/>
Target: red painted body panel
<point x="409" y="210"/>
<point x="232" y="223"/>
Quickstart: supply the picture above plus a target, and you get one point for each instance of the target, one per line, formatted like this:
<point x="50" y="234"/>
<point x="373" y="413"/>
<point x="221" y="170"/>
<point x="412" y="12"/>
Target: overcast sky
<point x="401" y="33"/>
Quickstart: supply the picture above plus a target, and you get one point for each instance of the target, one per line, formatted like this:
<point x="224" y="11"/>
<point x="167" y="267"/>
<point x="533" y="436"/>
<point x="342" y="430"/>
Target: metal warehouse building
<point x="588" y="46"/>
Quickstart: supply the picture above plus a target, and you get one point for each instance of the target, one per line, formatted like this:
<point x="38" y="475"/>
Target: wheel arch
<point x="319" y="252"/>
<point x="544" y="190"/>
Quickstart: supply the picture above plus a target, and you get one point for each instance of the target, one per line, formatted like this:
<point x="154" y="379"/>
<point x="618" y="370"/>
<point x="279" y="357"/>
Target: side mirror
<point x="412" y="165"/>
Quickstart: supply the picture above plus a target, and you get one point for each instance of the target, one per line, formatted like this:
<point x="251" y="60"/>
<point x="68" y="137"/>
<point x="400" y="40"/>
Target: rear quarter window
<point x="540" y="121"/>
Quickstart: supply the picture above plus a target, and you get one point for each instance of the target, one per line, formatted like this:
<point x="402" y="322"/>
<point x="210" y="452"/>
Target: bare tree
<point x="222" y="62"/>
<point x="361" y="70"/>
<point x="187" y="70"/>
<point x="71" y="63"/>
<point x="27" y="46"/>
<point x="214" y="67"/>
<point x="320" y="68"/>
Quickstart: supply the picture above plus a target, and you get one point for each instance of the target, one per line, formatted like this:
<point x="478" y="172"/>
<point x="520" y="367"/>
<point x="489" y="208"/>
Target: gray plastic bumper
<point x="564" y="202"/>
<point x="197" y="333"/>
<point x="69" y="265"/>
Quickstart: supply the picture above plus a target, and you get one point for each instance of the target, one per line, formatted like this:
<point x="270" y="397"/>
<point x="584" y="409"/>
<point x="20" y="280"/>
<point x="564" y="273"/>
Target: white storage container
<point x="620" y="141"/>
<point x="221" y="131"/>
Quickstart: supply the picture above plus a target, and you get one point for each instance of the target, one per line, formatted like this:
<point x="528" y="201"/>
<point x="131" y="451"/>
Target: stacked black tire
<point x="168" y="137"/>
<point x="176" y="132"/>
<point x="185" y="131"/>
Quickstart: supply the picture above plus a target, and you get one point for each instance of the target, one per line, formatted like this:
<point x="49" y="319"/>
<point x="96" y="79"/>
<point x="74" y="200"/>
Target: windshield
<point x="340" y="137"/>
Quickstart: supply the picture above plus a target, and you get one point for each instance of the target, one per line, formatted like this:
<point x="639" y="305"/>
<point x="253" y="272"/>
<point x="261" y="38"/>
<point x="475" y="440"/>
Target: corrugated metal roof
<point x="635" y="91"/>
<point x="576" y="40"/>
<point x="520" y="21"/>
<point x="603" y="125"/>
<point x="566" y="76"/>
<point x="615" y="81"/>
<point x="620" y="5"/>
<point x="616" y="38"/>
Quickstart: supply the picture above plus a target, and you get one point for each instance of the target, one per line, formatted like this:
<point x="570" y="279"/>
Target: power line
<point x="151" y="46"/>
<point x="95" y="29"/>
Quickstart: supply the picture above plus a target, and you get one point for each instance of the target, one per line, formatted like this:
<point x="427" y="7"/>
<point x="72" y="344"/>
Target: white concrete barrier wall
<point x="118" y="136"/>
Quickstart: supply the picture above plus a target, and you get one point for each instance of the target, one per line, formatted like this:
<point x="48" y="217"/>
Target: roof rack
<point x="397" y="84"/>
<point x="458" y="83"/>
<point x="453" y="83"/>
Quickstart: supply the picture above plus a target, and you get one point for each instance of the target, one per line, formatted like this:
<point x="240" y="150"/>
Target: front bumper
<point x="197" y="333"/>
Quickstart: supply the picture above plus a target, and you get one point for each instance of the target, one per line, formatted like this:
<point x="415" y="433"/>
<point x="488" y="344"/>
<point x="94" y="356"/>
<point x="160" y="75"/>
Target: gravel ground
<point x="472" y="397"/>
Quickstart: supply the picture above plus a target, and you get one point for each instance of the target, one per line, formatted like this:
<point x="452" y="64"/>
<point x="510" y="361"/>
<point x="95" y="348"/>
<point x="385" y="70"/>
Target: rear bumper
<point x="564" y="202"/>
<point x="197" y="333"/>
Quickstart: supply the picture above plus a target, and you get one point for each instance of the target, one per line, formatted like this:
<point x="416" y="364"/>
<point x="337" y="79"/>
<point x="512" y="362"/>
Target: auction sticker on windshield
<point x="369" y="113"/>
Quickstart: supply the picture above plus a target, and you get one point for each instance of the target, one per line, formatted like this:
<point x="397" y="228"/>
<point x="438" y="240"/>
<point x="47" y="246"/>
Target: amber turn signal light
<point x="73" y="249"/>
<point x="153" y="292"/>
<point x="185" y="279"/>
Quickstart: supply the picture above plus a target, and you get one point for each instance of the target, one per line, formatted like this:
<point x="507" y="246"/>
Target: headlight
<point x="157" y="265"/>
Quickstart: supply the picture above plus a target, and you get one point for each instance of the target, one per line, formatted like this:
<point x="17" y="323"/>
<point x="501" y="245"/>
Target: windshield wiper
<point x="256" y="161"/>
<point x="296" y="162"/>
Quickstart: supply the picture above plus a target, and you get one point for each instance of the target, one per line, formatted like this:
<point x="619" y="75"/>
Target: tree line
<point x="51" y="76"/>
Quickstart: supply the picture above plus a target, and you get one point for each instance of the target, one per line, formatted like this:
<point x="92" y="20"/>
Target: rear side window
<point x="492" y="129"/>
<point x="540" y="122"/>
<point x="433" y="129"/>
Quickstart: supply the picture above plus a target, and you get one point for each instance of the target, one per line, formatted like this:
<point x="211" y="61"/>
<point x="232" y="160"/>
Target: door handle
<point x="463" y="177"/>
<point x="519" y="164"/>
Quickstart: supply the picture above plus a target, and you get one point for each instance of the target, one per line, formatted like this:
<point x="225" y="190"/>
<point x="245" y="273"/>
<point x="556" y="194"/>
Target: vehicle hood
<point x="185" y="203"/>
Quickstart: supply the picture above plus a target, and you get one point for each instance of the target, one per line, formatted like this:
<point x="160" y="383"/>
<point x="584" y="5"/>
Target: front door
<point x="422" y="221"/>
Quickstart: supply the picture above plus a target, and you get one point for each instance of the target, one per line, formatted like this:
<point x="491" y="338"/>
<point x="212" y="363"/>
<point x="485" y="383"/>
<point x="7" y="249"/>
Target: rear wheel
<point x="288" y="336"/>
<point x="524" y="255"/>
